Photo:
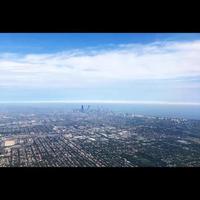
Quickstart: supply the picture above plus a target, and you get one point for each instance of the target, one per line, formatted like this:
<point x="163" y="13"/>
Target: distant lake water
<point x="182" y="111"/>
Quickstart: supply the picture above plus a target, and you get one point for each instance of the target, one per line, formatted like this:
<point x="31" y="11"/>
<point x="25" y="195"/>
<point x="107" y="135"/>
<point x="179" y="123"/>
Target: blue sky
<point x="55" y="42"/>
<point x="90" y="66"/>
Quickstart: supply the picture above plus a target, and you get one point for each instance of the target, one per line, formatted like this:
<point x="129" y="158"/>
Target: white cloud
<point x="79" y="68"/>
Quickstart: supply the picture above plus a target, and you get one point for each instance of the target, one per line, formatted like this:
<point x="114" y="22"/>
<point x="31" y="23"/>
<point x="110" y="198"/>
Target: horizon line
<point x="103" y="102"/>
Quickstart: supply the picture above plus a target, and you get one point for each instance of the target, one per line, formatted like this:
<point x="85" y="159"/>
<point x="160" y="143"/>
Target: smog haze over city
<point x="99" y="100"/>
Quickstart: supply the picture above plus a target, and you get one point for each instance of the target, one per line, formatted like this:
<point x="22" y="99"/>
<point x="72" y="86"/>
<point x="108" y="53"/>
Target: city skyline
<point x="145" y="68"/>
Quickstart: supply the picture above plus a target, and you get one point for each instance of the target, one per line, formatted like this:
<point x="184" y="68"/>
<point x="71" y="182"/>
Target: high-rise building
<point x="82" y="108"/>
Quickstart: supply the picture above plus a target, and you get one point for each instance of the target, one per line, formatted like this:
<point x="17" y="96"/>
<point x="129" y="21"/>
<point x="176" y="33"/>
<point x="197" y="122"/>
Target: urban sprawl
<point x="86" y="137"/>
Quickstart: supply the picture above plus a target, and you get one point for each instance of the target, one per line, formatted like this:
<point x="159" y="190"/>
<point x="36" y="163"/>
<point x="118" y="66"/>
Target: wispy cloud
<point x="108" y="102"/>
<point x="84" y="68"/>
